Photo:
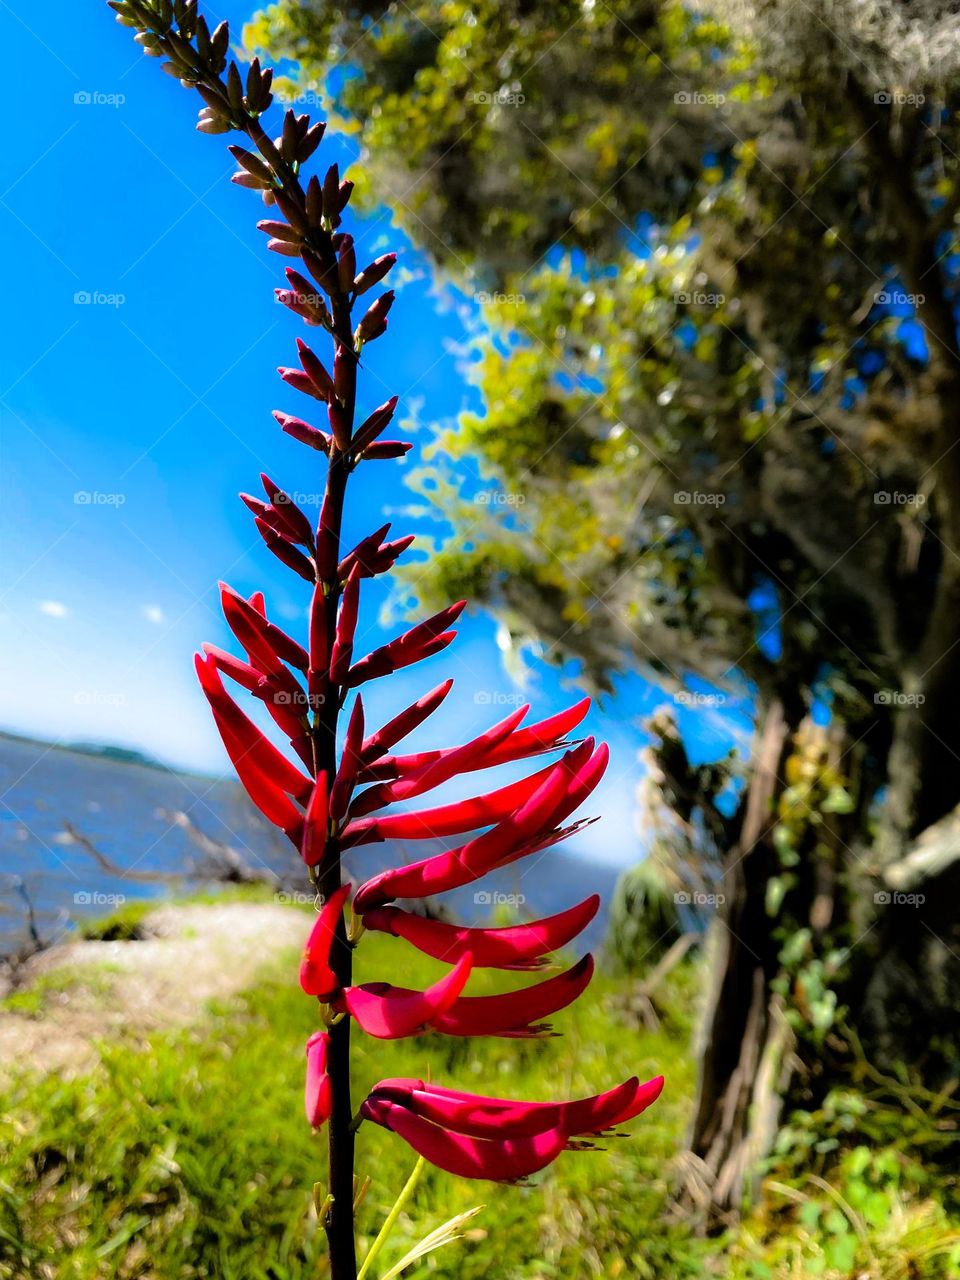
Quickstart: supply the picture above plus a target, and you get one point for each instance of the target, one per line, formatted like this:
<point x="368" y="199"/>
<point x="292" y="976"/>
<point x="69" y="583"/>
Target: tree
<point x="722" y="373"/>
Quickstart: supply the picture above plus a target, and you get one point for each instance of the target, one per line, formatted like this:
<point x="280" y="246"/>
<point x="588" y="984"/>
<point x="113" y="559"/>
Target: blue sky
<point x="130" y="421"/>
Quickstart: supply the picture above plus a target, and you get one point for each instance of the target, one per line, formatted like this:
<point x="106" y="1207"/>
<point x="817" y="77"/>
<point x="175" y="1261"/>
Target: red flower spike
<point x="303" y="432"/>
<point x="342" y="651"/>
<point x="316" y="976"/>
<point x="318" y="1095"/>
<point x="349" y="763"/>
<point x="315" y="824"/>
<point x="417" y="643"/>
<point x="503" y="1160"/>
<point x="520" y="946"/>
<point x="393" y="1013"/>
<point x="315" y="370"/>
<point x="516" y="1014"/>
<point x="469" y="1135"/>
<point x="296" y="524"/>
<point x="442" y="766"/>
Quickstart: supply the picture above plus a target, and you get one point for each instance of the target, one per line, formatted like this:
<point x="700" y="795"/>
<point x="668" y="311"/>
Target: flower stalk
<point x="329" y="802"/>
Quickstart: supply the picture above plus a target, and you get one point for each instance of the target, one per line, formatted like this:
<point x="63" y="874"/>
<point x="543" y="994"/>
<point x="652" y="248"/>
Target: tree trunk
<point x="744" y="1045"/>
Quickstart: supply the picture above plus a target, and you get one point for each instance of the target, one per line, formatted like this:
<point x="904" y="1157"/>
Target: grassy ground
<point x="186" y="1155"/>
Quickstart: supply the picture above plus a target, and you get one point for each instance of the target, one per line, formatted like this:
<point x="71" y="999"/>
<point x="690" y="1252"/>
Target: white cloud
<point x="153" y="613"/>
<point x="53" y="608"/>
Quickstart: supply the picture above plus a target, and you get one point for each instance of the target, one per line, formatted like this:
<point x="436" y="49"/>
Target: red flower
<point x="496" y="1138"/>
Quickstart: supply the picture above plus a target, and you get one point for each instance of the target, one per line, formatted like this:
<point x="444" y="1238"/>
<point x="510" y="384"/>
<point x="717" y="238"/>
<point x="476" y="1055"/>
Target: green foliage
<point x="191" y="1157"/>
<point x="188" y="1156"/>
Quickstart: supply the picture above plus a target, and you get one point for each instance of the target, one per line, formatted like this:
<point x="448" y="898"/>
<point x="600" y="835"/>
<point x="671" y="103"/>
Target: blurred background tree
<point x="716" y="252"/>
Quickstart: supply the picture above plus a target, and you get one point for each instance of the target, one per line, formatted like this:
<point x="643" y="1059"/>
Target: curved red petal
<point x="392" y="1013"/>
<point x="316" y="976"/>
<point x="516" y="947"/>
<point x="516" y="1013"/>
<point x="317" y="1095"/>
<point x="498" y="1161"/>
<point x="315" y="824"/>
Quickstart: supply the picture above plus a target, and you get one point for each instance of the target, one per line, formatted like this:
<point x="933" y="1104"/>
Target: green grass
<point x="189" y="1157"/>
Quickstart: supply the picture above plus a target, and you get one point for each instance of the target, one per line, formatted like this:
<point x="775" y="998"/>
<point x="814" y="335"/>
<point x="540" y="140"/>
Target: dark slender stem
<point x="338" y="1222"/>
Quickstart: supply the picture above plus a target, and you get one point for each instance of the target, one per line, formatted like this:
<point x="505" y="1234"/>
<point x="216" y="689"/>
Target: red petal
<point x="532" y="828"/>
<point x="256" y="760"/>
<point x="546" y="735"/>
<point x="443" y="765"/>
<point x="318" y="1096"/>
<point x="480" y="1117"/>
<point x="405" y="722"/>
<point x="517" y="947"/>
<point x="390" y="1013"/>
<point x="449" y="819"/>
<point x="500" y="1161"/>
<point x="419" y="642"/>
<point x="346" y="628"/>
<point x="515" y="1013"/>
<point x="315" y="824"/>
<point x="349" y="763"/>
<point x="316" y="976"/>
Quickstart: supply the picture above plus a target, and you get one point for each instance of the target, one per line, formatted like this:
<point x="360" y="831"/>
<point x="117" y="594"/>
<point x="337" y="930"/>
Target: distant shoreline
<point x="110" y="751"/>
